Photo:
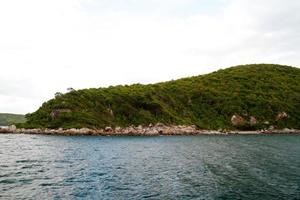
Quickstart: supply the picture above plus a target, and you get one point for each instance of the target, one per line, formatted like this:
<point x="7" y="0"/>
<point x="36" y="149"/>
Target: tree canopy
<point x="207" y="101"/>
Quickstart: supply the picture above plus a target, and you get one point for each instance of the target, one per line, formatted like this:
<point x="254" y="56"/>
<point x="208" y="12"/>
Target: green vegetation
<point x="8" y="119"/>
<point x="207" y="101"/>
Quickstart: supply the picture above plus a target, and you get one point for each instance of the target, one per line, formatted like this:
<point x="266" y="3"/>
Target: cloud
<point x="48" y="46"/>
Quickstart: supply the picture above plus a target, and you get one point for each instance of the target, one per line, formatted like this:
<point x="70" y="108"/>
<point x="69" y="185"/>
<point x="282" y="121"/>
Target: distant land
<point x="8" y="119"/>
<point x="245" y="97"/>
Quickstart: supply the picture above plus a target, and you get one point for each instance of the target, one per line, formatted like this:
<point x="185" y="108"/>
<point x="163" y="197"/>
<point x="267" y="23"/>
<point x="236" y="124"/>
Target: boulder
<point x="108" y="129"/>
<point x="4" y="130"/>
<point x="238" y="120"/>
<point x="159" y="124"/>
<point x="253" y="121"/>
<point x="85" y="131"/>
<point x="12" y="128"/>
<point x="118" y="129"/>
<point x="271" y="128"/>
<point x="281" y="116"/>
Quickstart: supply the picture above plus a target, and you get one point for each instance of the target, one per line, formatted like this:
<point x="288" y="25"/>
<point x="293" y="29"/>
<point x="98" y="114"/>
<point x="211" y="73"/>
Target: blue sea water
<point x="168" y="167"/>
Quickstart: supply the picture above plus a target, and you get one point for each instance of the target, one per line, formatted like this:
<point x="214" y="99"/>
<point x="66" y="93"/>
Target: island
<point x="245" y="99"/>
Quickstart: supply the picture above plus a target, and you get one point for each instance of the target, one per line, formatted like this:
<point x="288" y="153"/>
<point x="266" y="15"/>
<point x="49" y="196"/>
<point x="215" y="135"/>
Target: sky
<point x="47" y="46"/>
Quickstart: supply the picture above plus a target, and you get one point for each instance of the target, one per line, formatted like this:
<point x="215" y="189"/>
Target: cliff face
<point x="243" y="97"/>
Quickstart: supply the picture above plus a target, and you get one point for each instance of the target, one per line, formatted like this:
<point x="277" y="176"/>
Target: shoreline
<point x="151" y="130"/>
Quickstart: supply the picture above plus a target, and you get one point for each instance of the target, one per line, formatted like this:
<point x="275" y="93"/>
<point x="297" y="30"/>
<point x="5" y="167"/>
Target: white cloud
<point x="48" y="46"/>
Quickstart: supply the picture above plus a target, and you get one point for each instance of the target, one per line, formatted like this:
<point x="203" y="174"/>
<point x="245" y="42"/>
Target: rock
<point x="238" y="120"/>
<point x="108" y="129"/>
<point x="281" y="116"/>
<point x="140" y="127"/>
<point x="253" y="121"/>
<point x="140" y="130"/>
<point x="72" y="131"/>
<point x="12" y="128"/>
<point x="152" y="132"/>
<point x="131" y="131"/>
<point x="34" y="131"/>
<point x="55" y="113"/>
<point x="4" y="130"/>
<point x="85" y="131"/>
<point x="118" y="129"/>
<point x="159" y="125"/>
<point x="287" y="130"/>
<point x="98" y="132"/>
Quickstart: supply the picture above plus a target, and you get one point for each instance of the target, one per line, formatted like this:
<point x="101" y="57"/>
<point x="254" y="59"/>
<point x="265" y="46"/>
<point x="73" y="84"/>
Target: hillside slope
<point x="207" y="101"/>
<point x="8" y="119"/>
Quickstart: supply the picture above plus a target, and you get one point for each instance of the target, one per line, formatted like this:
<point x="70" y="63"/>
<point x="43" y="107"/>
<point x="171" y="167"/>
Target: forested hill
<point x="8" y="119"/>
<point x="259" y="95"/>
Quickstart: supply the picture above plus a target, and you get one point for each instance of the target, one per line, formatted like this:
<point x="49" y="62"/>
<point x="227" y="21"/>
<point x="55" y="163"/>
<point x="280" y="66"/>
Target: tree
<point x="58" y="94"/>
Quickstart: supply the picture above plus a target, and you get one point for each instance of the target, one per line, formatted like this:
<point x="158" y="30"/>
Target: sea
<point x="256" y="167"/>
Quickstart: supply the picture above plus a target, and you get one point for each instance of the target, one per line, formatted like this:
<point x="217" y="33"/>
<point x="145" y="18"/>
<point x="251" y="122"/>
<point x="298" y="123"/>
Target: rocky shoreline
<point x="151" y="130"/>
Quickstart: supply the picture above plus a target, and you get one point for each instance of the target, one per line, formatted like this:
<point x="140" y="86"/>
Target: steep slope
<point x="208" y="101"/>
<point x="7" y="119"/>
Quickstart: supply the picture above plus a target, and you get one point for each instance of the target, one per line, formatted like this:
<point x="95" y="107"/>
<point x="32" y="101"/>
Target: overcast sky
<point x="48" y="46"/>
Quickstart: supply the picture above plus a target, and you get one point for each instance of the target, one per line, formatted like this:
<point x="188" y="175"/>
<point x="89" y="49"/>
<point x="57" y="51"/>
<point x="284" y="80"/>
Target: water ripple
<point x="206" y="167"/>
